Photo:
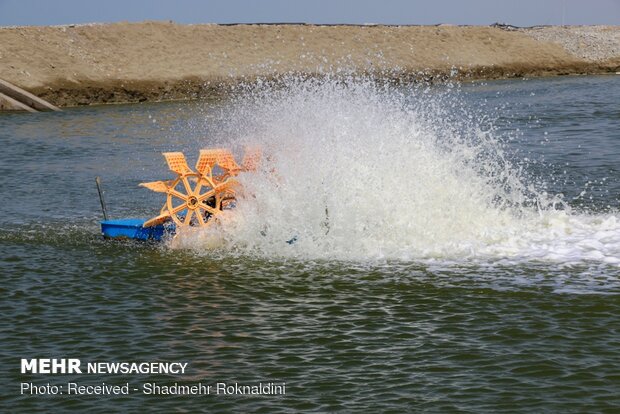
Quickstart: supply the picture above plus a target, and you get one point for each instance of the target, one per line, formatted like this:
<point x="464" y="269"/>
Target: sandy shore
<point x="129" y="62"/>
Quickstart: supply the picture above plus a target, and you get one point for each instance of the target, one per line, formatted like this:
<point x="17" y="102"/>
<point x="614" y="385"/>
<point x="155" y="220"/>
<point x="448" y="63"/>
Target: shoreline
<point x="73" y="65"/>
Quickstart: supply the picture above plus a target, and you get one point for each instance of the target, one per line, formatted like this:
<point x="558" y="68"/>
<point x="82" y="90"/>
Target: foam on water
<point x="358" y="170"/>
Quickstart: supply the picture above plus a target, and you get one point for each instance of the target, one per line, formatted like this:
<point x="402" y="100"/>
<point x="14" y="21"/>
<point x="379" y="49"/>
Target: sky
<point x="474" y="12"/>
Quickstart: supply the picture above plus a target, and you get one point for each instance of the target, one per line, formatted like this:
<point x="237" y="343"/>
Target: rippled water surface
<point x="469" y="260"/>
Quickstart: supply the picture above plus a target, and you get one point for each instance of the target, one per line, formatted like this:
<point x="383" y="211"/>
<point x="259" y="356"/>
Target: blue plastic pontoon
<point x="134" y="229"/>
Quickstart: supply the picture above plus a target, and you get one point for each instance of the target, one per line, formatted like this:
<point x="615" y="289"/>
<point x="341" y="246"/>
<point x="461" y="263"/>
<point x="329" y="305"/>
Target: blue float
<point x="134" y="229"/>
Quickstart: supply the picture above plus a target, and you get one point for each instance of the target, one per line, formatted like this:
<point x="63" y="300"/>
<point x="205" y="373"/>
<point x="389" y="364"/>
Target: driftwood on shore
<point x="131" y="62"/>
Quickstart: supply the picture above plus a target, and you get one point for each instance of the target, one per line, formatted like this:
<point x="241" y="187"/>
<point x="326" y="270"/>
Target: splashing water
<point x="358" y="170"/>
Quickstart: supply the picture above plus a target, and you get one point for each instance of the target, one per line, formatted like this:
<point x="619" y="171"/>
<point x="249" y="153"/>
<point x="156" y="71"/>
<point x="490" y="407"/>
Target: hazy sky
<point x="516" y="12"/>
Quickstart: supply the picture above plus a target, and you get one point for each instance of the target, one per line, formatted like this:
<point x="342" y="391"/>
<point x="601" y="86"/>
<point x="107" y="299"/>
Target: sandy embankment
<point x="85" y="64"/>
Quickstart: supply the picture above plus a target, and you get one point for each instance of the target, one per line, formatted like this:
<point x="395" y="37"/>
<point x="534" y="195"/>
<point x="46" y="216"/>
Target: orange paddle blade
<point x="206" y="160"/>
<point x="157" y="220"/>
<point x="157" y="186"/>
<point x="226" y="160"/>
<point x="176" y="162"/>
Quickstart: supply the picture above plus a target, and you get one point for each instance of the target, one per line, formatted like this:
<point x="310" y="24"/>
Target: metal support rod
<point x="103" y="207"/>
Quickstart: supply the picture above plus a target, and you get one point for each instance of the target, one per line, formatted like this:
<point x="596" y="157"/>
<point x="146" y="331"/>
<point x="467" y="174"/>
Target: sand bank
<point x="129" y="62"/>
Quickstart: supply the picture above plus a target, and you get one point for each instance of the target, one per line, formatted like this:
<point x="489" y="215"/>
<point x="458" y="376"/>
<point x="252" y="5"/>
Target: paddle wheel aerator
<point x="193" y="198"/>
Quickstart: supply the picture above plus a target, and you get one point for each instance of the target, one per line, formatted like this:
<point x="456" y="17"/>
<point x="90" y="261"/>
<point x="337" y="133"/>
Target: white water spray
<point x="362" y="171"/>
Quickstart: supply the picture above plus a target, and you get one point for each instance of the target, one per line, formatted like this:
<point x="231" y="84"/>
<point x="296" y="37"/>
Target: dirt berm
<point x="129" y="62"/>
